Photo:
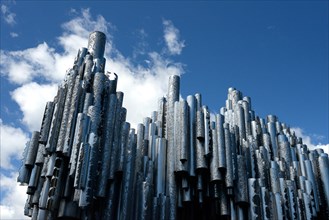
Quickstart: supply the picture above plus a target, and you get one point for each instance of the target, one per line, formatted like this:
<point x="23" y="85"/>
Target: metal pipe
<point x="324" y="177"/>
<point x="229" y="164"/>
<point x="191" y="101"/>
<point x="185" y="134"/>
<point x="207" y="131"/>
<point x="161" y="166"/>
<point x="221" y="142"/>
<point x="215" y="174"/>
<point x="32" y="149"/>
<point x="66" y="111"/>
<point x="96" y="44"/>
<point x="46" y="122"/>
<point x="72" y="117"/>
<point x="173" y="96"/>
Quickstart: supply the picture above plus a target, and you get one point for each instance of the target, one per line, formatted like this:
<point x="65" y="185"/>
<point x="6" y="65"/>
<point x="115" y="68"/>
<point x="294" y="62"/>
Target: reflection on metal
<point x="180" y="163"/>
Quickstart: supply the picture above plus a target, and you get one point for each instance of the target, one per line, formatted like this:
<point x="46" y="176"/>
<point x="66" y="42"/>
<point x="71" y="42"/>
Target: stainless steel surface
<point x="181" y="162"/>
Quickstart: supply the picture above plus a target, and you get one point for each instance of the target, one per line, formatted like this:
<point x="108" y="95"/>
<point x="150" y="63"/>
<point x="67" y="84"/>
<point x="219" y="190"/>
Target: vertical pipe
<point x="229" y="163"/>
<point x="185" y="141"/>
<point x="96" y="44"/>
<point x="32" y="150"/>
<point x="161" y="166"/>
<point x="324" y="177"/>
<point x="173" y="95"/>
<point x="215" y="174"/>
<point x="191" y="101"/>
<point x="207" y="134"/>
<point x="272" y="131"/>
<point x="221" y="142"/>
<point x="46" y="122"/>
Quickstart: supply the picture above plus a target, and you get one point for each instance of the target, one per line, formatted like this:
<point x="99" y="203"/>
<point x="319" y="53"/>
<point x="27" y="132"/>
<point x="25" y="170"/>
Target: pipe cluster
<point x="182" y="162"/>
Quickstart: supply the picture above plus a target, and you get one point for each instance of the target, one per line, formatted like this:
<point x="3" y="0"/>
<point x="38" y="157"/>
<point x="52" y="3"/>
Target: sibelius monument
<point x="86" y="162"/>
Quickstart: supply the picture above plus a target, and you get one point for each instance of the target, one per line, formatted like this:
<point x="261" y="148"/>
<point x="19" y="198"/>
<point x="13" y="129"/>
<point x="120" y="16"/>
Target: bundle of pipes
<point x="180" y="163"/>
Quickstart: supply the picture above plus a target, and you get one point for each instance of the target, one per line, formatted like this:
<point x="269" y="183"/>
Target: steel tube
<point x="161" y="166"/>
<point x="324" y="177"/>
<point x="46" y="122"/>
<point x="229" y="163"/>
<point x="191" y="101"/>
<point x="96" y="44"/>
<point x="32" y="149"/>
<point x="207" y="134"/>
<point x="215" y="174"/>
<point x="173" y="95"/>
<point x="221" y="142"/>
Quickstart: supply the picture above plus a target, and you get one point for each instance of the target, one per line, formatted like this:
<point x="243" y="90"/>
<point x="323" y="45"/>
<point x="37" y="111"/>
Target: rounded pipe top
<point x="96" y="44"/>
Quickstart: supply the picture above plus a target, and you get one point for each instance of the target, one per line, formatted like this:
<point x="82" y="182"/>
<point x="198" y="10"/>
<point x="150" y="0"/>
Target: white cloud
<point x="77" y="30"/>
<point x="43" y="62"/>
<point x="32" y="98"/>
<point x="13" y="197"/>
<point x="8" y="16"/>
<point x="13" y="34"/>
<point x="299" y="132"/>
<point x="142" y="85"/>
<point x="40" y="62"/>
<point x="172" y="38"/>
<point x="12" y="144"/>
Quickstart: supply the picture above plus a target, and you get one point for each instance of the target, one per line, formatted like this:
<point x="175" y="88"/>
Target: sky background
<point x="274" y="52"/>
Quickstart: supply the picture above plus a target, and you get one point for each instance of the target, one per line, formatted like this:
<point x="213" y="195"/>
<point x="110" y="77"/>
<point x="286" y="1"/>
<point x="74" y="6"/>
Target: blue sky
<point x="275" y="52"/>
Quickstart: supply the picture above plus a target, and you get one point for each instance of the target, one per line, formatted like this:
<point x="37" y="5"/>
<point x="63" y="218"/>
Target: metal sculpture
<point x="180" y="163"/>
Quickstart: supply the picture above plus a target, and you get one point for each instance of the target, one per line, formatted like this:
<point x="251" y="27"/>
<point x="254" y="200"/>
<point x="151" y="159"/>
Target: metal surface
<point x="180" y="163"/>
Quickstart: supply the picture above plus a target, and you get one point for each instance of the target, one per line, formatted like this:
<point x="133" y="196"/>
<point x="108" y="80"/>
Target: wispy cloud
<point x="8" y="16"/>
<point x="172" y="38"/>
<point x="13" y="34"/>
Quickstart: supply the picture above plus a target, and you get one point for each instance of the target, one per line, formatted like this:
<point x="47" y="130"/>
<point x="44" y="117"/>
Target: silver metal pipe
<point x="215" y="174"/>
<point x="161" y="166"/>
<point x="311" y="178"/>
<point x="32" y="149"/>
<point x="152" y="141"/>
<point x="66" y="111"/>
<point x="272" y="131"/>
<point x="185" y="134"/>
<point x="119" y="119"/>
<point x="241" y="195"/>
<point x="254" y="199"/>
<point x="229" y="163"/>
<point x="200" y="158"/>
<point x="124" y="139"/>
<point x="46" y="122"/>
<point x="247" y="120"/>
<point x="128" y="177"/>
<point x="74" y="109"/>
<point x="324" y="177"/>
<point x="207" y="130"/>
<point x="241" y="122"/>
<point x="173" y="96"/>
<point x="221" y="142"/>
<point x="191" y="101"/>
<point x="96" y="44"/>
<point x="108" y="144"/>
